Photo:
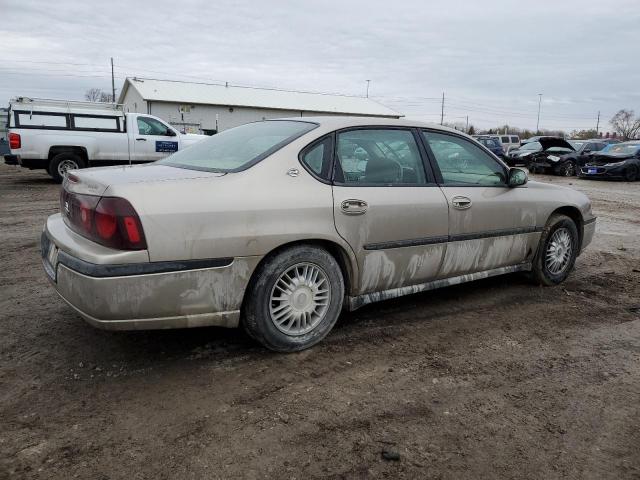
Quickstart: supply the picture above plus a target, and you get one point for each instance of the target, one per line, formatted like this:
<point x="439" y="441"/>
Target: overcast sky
<point x="491" y="58"/>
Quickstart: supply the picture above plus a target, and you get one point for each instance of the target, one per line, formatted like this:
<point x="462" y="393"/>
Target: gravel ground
<point x="494" y="379"/>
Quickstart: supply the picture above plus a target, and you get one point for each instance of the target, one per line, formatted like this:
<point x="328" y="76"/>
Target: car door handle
<point x="461" y="203"/>
<point x="141" y="139"/>
<point x="353" y="206"/>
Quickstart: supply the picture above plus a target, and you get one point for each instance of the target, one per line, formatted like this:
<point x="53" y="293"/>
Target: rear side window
<point x="515" y="140"/>
<point x="42" y="120"/>
<point x="95" y="123"/>
<point x="239" y="148"/>
<point x="317" y="158"/>
<point x="504" y="139"/>
<point x="378" y="156"/>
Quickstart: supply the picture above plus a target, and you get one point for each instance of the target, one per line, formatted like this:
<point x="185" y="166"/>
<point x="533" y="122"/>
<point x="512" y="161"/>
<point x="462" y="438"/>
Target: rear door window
<point x="504" y="139"/>
<point x="378" y="157"/>
<point x="515" y="140"/>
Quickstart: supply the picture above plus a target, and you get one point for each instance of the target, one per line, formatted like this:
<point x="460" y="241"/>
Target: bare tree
<point x="625" y="124"/>
<point x="93" y="94"/>
<point x="98" y="95"/>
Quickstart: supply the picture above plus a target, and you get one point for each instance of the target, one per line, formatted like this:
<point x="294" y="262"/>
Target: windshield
<point x="531" y="146"/>
<point x="621" y="148"/>
<point x="239" y="148"/>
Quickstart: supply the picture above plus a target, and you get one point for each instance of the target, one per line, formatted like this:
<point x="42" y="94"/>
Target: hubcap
<point x="559" y="251"/>
<point x="66" y="165"/>
<point x="300" y="299"/>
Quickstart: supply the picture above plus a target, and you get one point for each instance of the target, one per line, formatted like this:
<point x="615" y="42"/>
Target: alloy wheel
<point x="300" y="299"/>
<point x="559" y="251"/>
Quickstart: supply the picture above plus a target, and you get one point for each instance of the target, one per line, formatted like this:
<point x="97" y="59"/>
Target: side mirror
<point x="517" y="177"/>
<point x="170" y="133"/>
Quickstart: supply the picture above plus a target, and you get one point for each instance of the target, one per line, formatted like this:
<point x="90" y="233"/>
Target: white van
<point x="508" y="141"/>
<point x="63" y="135"/>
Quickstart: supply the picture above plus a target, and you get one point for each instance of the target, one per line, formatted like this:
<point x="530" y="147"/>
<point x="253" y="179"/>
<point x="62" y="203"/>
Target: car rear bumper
<point x="126" y="296"/>
<point x="588" y="231"/>
<point x="11" y="159"/>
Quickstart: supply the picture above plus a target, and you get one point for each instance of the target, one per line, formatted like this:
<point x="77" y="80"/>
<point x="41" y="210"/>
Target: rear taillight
<point x="109" y="221"/>
<point x="14" y="141"/>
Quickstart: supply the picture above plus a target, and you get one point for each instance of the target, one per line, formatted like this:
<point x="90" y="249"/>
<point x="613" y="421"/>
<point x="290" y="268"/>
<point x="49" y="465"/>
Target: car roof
<point x="342" y="121"/>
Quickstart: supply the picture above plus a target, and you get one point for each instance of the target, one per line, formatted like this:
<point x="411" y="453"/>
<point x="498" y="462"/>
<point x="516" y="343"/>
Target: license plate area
<point x="49" y="254"/>
<point x="592" y="170"/>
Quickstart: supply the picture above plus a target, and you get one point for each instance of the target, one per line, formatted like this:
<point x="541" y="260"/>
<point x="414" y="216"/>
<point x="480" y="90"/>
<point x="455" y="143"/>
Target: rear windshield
<point x="239" y="148"/>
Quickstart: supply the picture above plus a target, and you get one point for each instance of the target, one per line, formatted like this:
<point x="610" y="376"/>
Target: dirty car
<point x="279" y="225"/>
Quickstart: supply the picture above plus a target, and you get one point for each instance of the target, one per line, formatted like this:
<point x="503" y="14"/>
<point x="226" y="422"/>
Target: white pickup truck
<point x="62" y="135"/>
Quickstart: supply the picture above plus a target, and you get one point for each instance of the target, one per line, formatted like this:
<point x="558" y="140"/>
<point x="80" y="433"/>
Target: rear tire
<point x="63" y="162"/>
<point x="557" y="251"/>
<point x="294" y="299"/>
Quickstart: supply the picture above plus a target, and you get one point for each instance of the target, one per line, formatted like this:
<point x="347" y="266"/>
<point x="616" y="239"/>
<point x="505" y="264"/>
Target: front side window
<point x="378" y="156"/>
<point x="151" y="126"/>
<point x="239" y="148"/>
<point x="463" y="163"/>
<point x="504" y="139"/>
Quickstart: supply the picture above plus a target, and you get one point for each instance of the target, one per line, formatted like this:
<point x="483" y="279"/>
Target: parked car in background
<point x="521" y="155"/>
<point x="492" y="143"/>
<point x="277" y="225"/>
<point x="509" y="142"/>
<point x="583" y="149"/>
<point x="617" y="160"/>
<point x="62" y="135"/>
<point x="556" y="156"/>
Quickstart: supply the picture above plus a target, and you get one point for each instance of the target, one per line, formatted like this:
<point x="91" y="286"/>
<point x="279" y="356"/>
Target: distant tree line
<point x="625" y="126"/>
<point x="98" y="95"/>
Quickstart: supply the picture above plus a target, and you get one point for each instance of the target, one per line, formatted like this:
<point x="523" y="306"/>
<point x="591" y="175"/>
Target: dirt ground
<point x="494" y="379"/>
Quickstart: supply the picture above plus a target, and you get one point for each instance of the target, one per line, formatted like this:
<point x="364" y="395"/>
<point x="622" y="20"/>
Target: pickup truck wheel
<point x="557" y="251"/>
<point x="294" y="299"/>
<point x="62" y="163"/>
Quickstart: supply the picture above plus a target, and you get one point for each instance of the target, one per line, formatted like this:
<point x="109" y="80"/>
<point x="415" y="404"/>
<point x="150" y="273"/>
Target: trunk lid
<point x="95" y="181"/>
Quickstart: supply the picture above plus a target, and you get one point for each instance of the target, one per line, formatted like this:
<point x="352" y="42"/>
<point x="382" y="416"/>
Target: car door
<point x="387" y="207"/>
<point x="490" y="224"/>
<point x="153" y="139"/>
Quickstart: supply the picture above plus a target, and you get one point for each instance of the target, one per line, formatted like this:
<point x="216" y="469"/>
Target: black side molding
<point x="451" y="238"/>
<point x="125" y="269"/>
<point x="591" y="220"/>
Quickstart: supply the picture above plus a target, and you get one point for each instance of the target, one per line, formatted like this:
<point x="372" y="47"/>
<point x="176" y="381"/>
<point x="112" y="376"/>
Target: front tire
<point x="294" y="299"/>
<point x="62" y="163"/>
<point x="567" y="169"/>
<point x="631" y="173"/>
<point x="557" y="251"/>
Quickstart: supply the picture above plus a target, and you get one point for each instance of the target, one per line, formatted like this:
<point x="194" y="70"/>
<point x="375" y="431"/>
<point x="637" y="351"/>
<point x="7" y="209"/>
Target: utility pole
<point x="113" y="83"/>
<point x="598" y="124"/>
<point x="467" y="128"/>
<point x="539" y="105"/>
<point x="368" y="81"/>
<point x="442" y="111"/>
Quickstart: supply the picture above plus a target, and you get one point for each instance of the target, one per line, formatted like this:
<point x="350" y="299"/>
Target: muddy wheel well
<point x="80" y="151"/>
<point x="575" y="215"/>
<point x="333" y="248"/>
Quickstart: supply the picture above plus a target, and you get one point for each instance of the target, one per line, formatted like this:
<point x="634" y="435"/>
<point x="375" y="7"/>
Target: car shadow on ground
<point x="152" y="346"/>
